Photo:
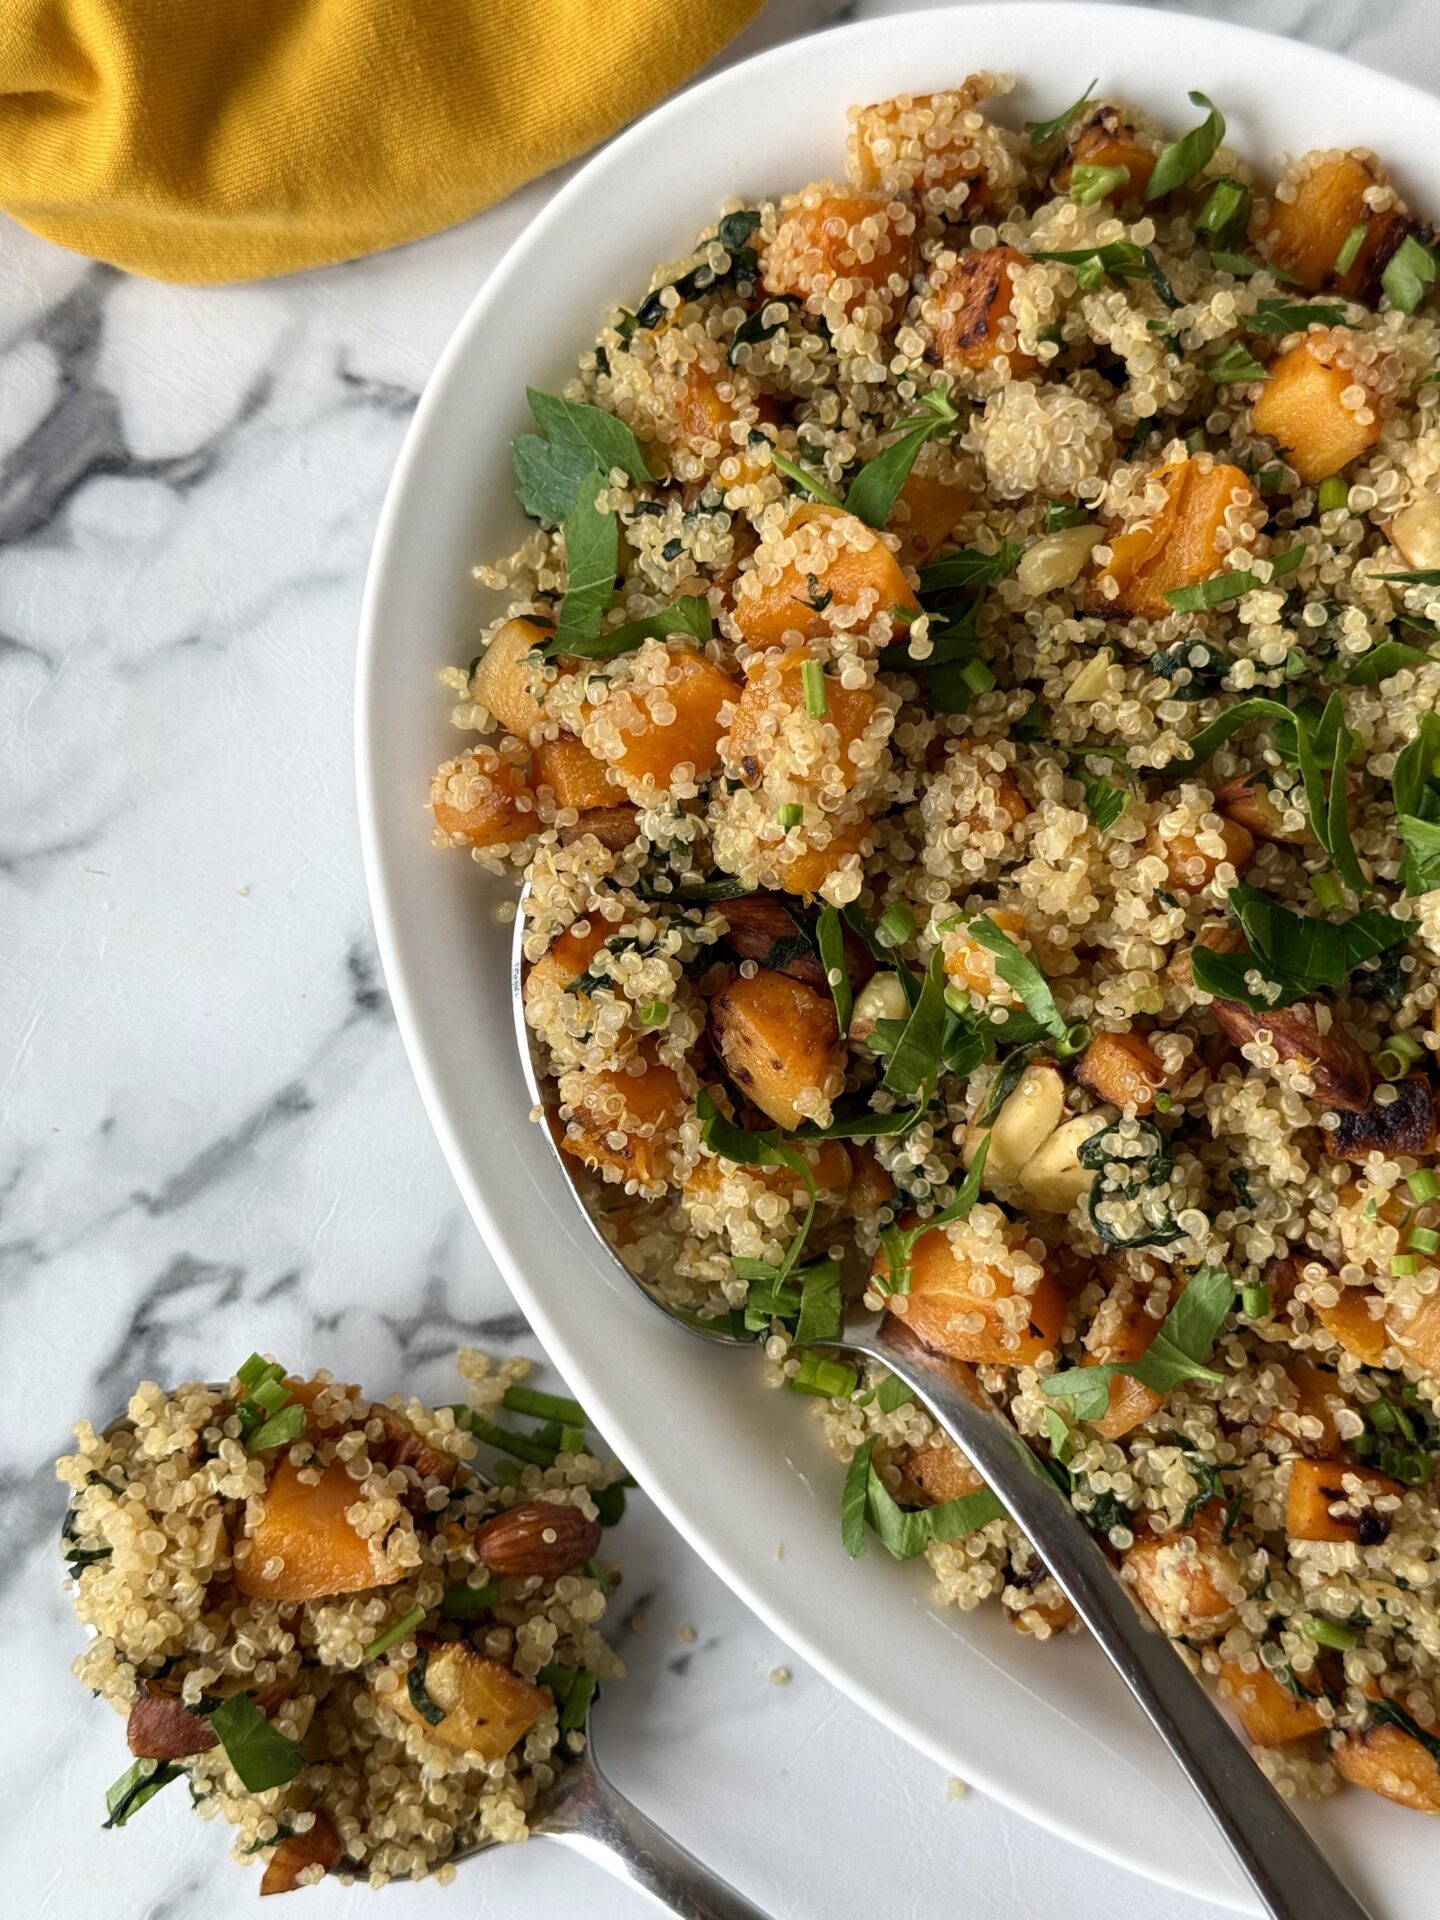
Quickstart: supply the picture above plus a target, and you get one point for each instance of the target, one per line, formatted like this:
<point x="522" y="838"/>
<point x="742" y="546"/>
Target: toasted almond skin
<point x="162" y="1727"/>
<point x="1339" y="1069"/>
<point x="613" y="827"/>
<point x="319" y="1847"/>
<point x="537" y="1537"/>
<point x="1245" y="801"/>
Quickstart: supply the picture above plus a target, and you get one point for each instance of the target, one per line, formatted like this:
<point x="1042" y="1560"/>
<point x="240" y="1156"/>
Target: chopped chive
<point x="1196" y="442"/>
<point x="1090" y="183"/>
<point x="1074" y="1040"/>
<point x="1402" y="1265"/>
<point x="827" y="1379"/>
<point x="1255" y="1301"/>
<point x="1423" y="1240"/>
<point x="271" y="1395"/>
<point x="577" y="1702"/>
<point x="463" y="1602"/>
<point x="1334" y="493"/>
<point x="255" y="1369"/>
<point x="1410" y="270"/>
<point x="543" y="1406"/>
<point x="285" y="1428"/>
<point x="520" y="1446"/>
<point x="805" y="480"/>
<point x="812" y="678"/>
<point x="654" y="1013"/>
<point x="1349" y="249"/>
<point x="1424" y="1185"/>
<point x="1223" y="214"/>
<point x="790" y="814"/>
<point x="977" y="676"/>
<point x="393" y="1634"/>
<point x="895" y="926"/>
<point x="572" y="1440"/>
<point x="1327" y="890"/>
<point x="1329" y="1633"/>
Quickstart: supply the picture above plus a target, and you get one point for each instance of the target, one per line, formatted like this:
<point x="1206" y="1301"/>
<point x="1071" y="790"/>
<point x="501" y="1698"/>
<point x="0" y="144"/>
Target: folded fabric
<point x="214" y="140"/>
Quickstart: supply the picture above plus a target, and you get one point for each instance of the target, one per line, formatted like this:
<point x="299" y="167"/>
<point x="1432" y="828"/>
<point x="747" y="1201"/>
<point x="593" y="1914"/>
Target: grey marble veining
<point x="208" y="1136"/>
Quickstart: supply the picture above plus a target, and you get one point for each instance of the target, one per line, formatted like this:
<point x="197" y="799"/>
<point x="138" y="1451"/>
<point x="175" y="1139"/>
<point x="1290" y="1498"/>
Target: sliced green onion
<point x="1424" y="1185"/>
<point x="1091" y="183"/>
<point x="1334" y="493"/>
<point x="271" y="1395"/>
<point x="1164" y="1102"/>
<point x="1327" y="890"/>
<point x="543" y="1406"/>
<point x="1196" y="442"/>
<point x="977" y="676"/>
<point x="812" y="678"/>
<point x="1402" y="1265"/>
<point x="1349" y="249"/>
<point x="1391" y="1065"/>
<point x="577" y="1703"/>
<point x="896" y="925"/>
<point x="256" y="1369"/>
<point x="654" y="1013"/>
<point x="520" y="1446"/>
<point x="281" y="1431"/>
<point x="1423" y="1240"/>
<point x="463" y="1602"/>
<point x="790" y="814"/>
<point x="1255" y="1301"/>
<point x="1410" y="270"/>
<point x="1223" y="213"/>
<point x="572" y="1440"/>
<point x="1074" y="1040"/>
<point x="393" y="1634"/>
<point x="1329" y="1633"/>
<point x="827" y="1379"/>
<point x="802" y="479"/>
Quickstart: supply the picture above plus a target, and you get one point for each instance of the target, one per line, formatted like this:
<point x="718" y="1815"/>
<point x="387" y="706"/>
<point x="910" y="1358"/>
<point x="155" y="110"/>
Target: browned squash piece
<point x="483" y="800"/>
<point x="304" y="1547"/>
<point x="937" y="153"/>
<point x="1301" y="409"/>
<point x="1270" y="1714"/>
<point x="1247" y="801"/>
<point x="870" y="1183"/>
<point x="805" y="869"/>
<point x="704" y="417"/>
<point x="1128" y="1338"/>
<point x="777" y="1038"/>
<point x="829" y="1165"/>
<point x="567" y="958"/>
<point x="1418" y="1334"/>
<point x="969" y="313"/>
<point x="1124" y="1069"/>
<point x="501" y="680"/>
<point x="1108" y="140"/>
<point x="831" y="237"/>
<point x="1179" y="547"/>
<point x="1317" y="1486"/>
<point x="1405" y="1124"/>
<point x="1188" y="1580"/>
<point x="487" y="1707"/>
<point x="1357" y="1329"/>
<point x="642" y="1107"/>
<point x="937" y="1472"/>
<point x="573" y="774"/>
<point x="774" y="691"/>
<point x="653" y="748"/>
<point x="614" y="827"/>
<point x="840" y="563"/>
<point x="1191" y="866"/>
<point x="1317" y="1395"/>
<point x="1392" y="1763"/>
<point x="944" y="1298"/>
<point x="1305" y="236"/>
<point x="318" y="1846"/>
<point x="929" y="509"/>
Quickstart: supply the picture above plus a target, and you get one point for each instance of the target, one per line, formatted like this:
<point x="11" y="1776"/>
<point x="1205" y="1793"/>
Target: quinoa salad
<point x="966" y="716"/>
<point x="313" y="1610"/>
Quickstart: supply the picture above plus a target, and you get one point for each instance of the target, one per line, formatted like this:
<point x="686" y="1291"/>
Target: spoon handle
<point x="1282" y="1862"/>
<point x="597" y="1820"/>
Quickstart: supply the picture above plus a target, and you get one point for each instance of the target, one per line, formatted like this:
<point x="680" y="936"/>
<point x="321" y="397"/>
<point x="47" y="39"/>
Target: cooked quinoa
<point x="355" y="1599"/>
<point x="1011" y="729"/>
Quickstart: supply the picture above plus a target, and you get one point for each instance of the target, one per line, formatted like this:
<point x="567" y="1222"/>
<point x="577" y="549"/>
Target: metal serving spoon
<point x="588" y="1812"/>
<point x="1281" y="1861"/>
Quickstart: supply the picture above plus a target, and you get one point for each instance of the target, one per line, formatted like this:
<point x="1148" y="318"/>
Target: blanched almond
<point x="1030" y="1114"/>
<point x="1053" y="1177"/>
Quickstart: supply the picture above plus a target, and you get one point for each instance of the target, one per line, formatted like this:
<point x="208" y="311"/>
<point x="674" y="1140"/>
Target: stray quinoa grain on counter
<point x="967" y="718"/>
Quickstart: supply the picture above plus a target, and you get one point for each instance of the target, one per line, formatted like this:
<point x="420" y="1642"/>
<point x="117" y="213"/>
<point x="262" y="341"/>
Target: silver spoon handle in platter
<point x="597" y="1819"/>
<point x="1282" y="1862"/>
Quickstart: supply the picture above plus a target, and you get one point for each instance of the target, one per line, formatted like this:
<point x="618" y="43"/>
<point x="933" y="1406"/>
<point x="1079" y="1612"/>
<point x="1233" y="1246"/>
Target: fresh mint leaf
<point x="690" y="614"/>
<point x="1182" y="159"/>
<point x="875" y="489"/>
<point x="855" y="1499"/>
<point x="592" y="554"/>
<point x="586" y="429"/>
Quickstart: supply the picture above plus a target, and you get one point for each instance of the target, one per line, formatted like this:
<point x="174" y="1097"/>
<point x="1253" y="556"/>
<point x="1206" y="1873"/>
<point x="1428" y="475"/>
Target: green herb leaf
<point x="1409" y="272"/>
<point x="587" y="429"/>
<point x="815" y="488"/>
<point x="1422" y="853"/>
<point x="1417" y="768"/>
<point x="900" y="1242"/>
<point x="970" y="568"/>
<point x="1226" y="211"/>
<point x="914" y="1064"/>
<point x="1298" y="953"/>
<point x="260" y="1756"/>
<point x="722" y="1136"/>
<point x="1415" y="577"/>
<point x="1020" y="974"/>
<point x="822" y="1304"/>
<point x="893" y="1393"/>
<point x="690" y="614"/>
<point x="429" y="1711"/>
<point x="875" y="489"/>
<point x="1283" y="316"/>
<point x="859" y="1123"/>
<point x="1236" y="363"/>
<point x="1105" y="799"/>
<point x="592" y="553"/>
<point x="756" y="328"/>
<point x="1223" y="587"/>
<point x="855" y="1498"/>
<point x="830" y="943"/>
<point x="1177" y="1353"/>
<point x="1383" y="661"/>
<point x="1058" y="516"/>
<point x="904" y="1535"/>
<point x="464" y="1602"/>
<point x="135" y="1786"/>
<point x="1042" y="131"/>
<point x="1184" y="158"/>
<point x="548" y="478"/>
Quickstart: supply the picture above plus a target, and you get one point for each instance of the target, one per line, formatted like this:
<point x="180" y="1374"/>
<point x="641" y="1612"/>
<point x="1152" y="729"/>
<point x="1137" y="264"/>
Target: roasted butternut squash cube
<point x="304" y="1546"/>
<point x="1301" y="408"/>
<point x="937" y="1472"/>
<point x="502" y="679"/>
<point x="486" y="1706"/>
<point x="1332" y="1500"/>
<point x="483" y="799"/>
<point x="319" y="1846"/>
<point x="1180" y="546"/>
<point x="1351" y="1321"/>
<point x="964" y="1305"/>
<point x="1188" y="1580"/>
<point x="806" y="868"/>
<point x="934" y="145"/>
<point x="1317" y="1397"/>
<point x="573" y="774"/>
<point x="1108" y="140"/>
<point x="1126" y="1333"/>
<point x="618" y="1122"/>
<point x="567" y="957"/>
<point x="777" y="1038"/>
<point x="1271" y="1715"/>
<point x="835" y="247"/>
<point x="871" y="1186"/>
<point x="1392" y="1763"/>
<point x="839" y="562"/>
<point x="658" y="728"/>
<point x="1193" y="860"/>
<point x="930" y="507"/>
<point x="771" y="714"/>
<point x="968" y="311"/>
<point x="1124" y="1069"/>
<point x="1306" y="236"/>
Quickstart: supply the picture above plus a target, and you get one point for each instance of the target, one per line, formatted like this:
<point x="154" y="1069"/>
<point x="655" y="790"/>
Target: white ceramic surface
<point x="739" y="1469"/>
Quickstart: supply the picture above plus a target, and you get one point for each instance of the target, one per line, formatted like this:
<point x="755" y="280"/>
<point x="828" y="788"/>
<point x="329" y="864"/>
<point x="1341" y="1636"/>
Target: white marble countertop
<point x="209" y="1140"/>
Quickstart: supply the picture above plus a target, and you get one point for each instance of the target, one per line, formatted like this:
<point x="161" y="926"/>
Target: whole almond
<point x="161" y="1727"/>
<point x="537" y="1537"/>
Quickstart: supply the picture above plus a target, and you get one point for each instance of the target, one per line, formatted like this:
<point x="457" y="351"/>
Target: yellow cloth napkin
<point x="213" y="140"/>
